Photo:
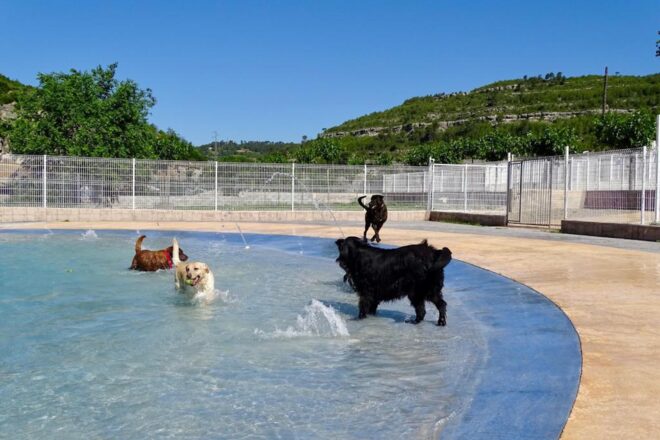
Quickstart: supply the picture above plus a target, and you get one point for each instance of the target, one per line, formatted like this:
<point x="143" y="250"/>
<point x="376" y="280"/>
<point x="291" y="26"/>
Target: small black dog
<point x="377" y="275"/>
<point x="376" y="215"/>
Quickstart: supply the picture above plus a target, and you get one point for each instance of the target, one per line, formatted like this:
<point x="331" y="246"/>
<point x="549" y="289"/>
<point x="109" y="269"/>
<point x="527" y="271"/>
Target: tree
<point x="321" y="150"/>
<point x="616" y="130"/>
<point x="169" y="145"/>
<point x="93" y="114"/>
<point x="551" y="141"/>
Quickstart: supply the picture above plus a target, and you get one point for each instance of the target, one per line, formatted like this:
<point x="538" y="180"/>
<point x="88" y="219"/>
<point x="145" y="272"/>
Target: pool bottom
<point x="507" y="364"/>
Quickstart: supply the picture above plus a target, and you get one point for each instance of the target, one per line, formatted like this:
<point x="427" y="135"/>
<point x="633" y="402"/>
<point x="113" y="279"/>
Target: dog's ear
<point x="442" y="257"/>
<point x="339" y="242"/>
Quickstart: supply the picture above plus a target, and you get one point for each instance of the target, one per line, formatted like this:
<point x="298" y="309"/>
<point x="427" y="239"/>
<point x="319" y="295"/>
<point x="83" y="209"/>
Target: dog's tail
<point x="138" y="243"/>
<point x="441" y="257"/>
<point x="175" y="252"/>
<point x="362" y="204"/>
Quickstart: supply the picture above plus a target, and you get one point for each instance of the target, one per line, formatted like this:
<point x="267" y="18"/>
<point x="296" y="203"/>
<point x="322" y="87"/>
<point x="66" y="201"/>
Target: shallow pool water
<point x="90" y="349"/>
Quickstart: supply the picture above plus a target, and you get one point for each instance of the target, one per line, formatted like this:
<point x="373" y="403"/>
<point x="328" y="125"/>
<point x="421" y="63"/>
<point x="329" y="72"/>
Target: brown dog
<point x="375" y="217"/>
<point x="150" y="261"/>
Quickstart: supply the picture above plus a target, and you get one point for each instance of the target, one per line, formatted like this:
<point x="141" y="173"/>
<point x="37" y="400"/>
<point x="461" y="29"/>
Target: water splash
<point x="318" y="205"/>
<point x="205" y="298"/>
<point x="300" y="245"/>
<point x="317" y="320"/>
<point x="247" y="246"/>
<point x="89" y="235"/>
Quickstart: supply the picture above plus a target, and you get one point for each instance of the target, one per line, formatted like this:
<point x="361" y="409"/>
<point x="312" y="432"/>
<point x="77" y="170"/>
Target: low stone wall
<point x="464" y="217"/>
<point x="19" y="214"/>
<point x="612" y="230"/>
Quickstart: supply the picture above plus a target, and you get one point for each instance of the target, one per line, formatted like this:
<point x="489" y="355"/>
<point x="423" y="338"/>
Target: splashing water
<point x="247" y="246"/>
<point x="89" y="235"/>
<point x="204" y="298"/>
<point x="318" y="205"/>
<point x="318" y="320"/>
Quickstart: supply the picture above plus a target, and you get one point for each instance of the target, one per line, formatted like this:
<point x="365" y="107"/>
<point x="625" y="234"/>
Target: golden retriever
<point x="194" y="278"/>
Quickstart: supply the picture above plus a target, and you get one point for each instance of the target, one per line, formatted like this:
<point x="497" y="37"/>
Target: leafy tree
<point x="618" y="130"/>
<point x="93" y="114"/>
<point x="321" y="150"/>
<point x="356" y="159"/>
<point x="384" y="158"/>
<point x="495" y="146"/>
<point x="441" y="152"/>
<point x="551" y="141"/>
<point x="275" y="157"/>
<point x="169" y="145"/>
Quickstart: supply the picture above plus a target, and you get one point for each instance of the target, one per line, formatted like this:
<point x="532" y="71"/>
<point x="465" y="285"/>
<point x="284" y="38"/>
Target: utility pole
<point x="605" y="92"/>
<point x="215" y="144"/>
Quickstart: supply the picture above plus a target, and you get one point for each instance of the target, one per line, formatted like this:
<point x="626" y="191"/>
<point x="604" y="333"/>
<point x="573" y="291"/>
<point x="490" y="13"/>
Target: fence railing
<point x="612" y="186"/>
<point x="75" y="182"/>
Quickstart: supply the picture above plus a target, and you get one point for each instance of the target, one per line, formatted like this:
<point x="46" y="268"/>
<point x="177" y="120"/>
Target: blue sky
<point x="277" y="70"/>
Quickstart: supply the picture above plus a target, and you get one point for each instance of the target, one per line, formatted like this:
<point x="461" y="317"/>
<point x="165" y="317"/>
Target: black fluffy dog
<point x="377" y="275"/>
<point x="376" y="215"/>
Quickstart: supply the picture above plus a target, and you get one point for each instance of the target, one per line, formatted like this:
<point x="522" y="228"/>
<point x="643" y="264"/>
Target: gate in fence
<point x="530" y="191"/>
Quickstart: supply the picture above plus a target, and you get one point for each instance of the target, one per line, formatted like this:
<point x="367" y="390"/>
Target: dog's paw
<point x="442" y="321"/>
<point x="412" y="320"/>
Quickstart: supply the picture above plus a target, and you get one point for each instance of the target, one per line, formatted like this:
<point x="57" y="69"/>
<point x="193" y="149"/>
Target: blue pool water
<point x="89" y="349"/>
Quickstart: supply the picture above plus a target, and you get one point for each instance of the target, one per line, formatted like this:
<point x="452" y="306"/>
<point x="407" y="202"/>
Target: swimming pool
<point x="92" y="350"/>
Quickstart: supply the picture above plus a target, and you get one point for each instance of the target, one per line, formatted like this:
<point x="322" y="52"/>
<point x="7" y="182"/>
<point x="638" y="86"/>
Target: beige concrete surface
<point x="611" y="295"/>
<point x="32" y="214"/>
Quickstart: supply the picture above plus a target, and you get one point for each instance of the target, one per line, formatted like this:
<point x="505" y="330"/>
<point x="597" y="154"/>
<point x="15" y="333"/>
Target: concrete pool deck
<point x="610" y="290"/>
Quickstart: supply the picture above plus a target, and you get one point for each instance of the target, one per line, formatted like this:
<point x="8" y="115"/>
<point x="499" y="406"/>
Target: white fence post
<point x="643" y="201"/>
<point x="216" y="185"/>
<point x="293" y="186"/>
<point x="133" y="191"/>
<point x="657" y="170"/>
<point x="45" y="183"/>
<point x="465" y="168"/>
<point x="364" y="189"/>
<point x="431" y="182"/>
<point x="566" y="171"/>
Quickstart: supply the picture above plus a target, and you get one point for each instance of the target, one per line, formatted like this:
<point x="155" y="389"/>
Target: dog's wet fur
<point x="193" y="277"/>
<point x="375" y="217"/>
<point x="377" y="275"/>
<point x="150" y="261"/>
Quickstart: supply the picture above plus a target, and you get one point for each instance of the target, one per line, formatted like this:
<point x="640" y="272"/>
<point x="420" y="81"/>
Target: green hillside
<point x="511" y="100"/>
<point x="9" y="89"/>
<point x="247" y="151"/>
<point x="529" y="116"/>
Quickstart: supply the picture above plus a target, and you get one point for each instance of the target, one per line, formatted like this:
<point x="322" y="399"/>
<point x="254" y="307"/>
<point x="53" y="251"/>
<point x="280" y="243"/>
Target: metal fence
<point x="470" y="188"/>
<point x="612" y="186"/>
<point x="74" y="182"/>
